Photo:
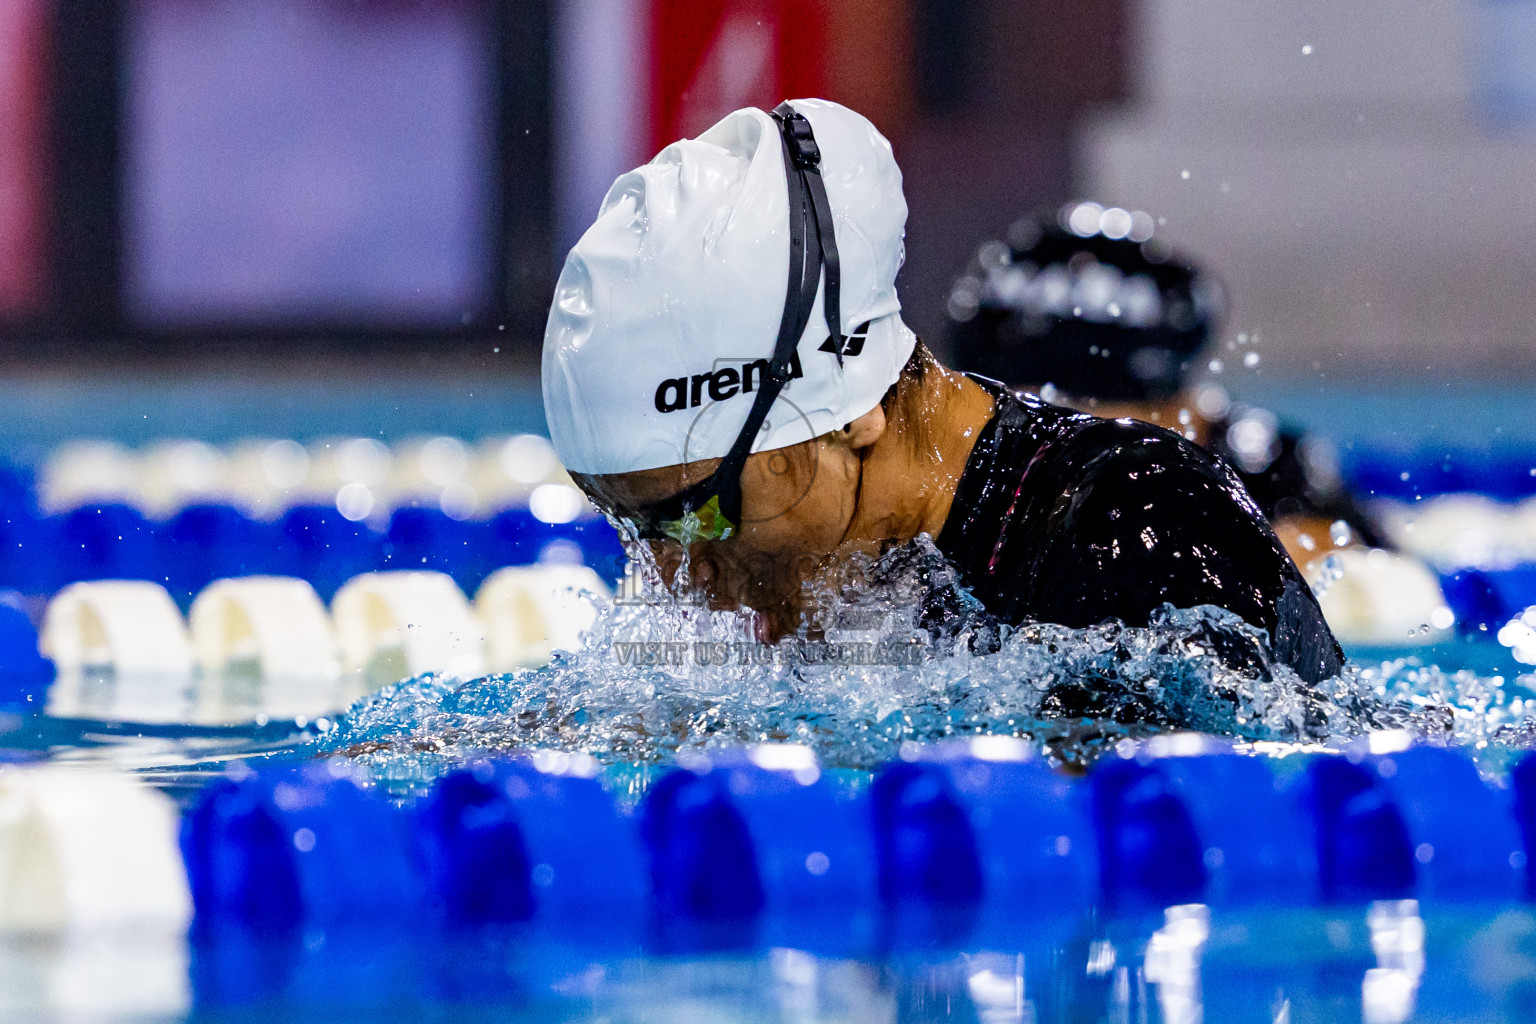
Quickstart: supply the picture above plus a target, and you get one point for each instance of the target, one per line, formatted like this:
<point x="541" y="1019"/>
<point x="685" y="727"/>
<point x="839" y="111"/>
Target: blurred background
<point x="310" y="221"/>
<point x="307" y="216"/>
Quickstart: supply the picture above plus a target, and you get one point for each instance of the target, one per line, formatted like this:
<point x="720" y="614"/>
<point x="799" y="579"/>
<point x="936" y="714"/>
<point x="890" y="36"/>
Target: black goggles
<point x="711" y="508"/>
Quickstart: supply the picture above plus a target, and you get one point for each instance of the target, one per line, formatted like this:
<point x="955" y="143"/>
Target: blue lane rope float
<point x="25" y="674"/>
<point x="106" y="542"/>
<point x="758" y="838"/>
<point x="1484" y="599"/>
<point x="517" y="537"/>
<point x="209" y="541"/>
<point x="1416" y="822"/>
<point x="1427" y="472"/>
<point x="276" y="850"/>
<point x="28" y="552"/>
<point x="529" y="838"/>
<point x="757" y="841"/>
<point x="419" y="537"/>
<point x="1189" y="821"/>
<point x="319" y="544"/>
<point x="981" y="821"/>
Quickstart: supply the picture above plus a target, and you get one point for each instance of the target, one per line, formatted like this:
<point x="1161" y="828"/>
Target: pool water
<point x="878" y="677"/>
<point x="1386" y="961"/>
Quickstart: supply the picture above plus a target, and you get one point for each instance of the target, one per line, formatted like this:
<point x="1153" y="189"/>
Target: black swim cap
<point x="1089" y="303"/>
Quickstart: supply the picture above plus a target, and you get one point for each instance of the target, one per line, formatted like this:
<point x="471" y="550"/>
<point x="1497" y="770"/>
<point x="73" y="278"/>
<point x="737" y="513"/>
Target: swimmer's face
<point x="797" y="504"/>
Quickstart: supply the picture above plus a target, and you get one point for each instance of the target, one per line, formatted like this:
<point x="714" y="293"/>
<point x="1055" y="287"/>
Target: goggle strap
<point x="802" y="160"/>
<point x="800" y="295"/>
<point x="809" y="210"/>
<point x="805" y="271"/>
<point x="831" y="304"/>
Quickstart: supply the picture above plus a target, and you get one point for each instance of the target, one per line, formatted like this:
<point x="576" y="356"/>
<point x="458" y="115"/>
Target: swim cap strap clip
<point x="802" y="168"/>
<point x="802" y="144"/>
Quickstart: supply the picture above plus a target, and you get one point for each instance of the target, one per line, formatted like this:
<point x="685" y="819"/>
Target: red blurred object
<point x="709" y="57"/>
<point x="23" y="157"/>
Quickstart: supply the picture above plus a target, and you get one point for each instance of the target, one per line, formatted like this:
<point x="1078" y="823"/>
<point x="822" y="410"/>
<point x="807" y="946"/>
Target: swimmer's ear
<point x="864" y="431"/>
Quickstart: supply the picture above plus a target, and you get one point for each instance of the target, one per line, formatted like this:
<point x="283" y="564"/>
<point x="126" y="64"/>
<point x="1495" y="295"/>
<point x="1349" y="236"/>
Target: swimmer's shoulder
<point x="1023" y="419"/>
<point x="1017" y="409"/>
<point x="1080" y="447"/>
<point x="1041" y="474"/>
<point x="1143" y="466"/>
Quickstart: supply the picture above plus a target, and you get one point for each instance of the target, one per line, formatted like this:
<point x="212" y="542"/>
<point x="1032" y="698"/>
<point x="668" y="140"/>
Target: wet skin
<point x="884" y="478"/>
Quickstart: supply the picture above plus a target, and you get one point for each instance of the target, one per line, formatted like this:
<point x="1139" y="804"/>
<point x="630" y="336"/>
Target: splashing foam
<point x="895" y="651"/>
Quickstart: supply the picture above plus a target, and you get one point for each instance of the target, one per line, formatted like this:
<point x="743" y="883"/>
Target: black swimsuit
<point x="1064" y="517"/>
<point x="1286" y="482"/>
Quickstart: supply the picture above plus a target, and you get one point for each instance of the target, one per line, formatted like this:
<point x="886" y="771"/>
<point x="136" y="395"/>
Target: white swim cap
<point x="667" y="311"/>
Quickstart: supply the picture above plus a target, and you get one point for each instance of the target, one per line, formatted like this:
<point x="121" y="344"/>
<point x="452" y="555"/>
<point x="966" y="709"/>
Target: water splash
<point x="894" y="651"/>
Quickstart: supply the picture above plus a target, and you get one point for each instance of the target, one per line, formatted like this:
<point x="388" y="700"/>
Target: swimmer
<point x="773" y="430"/>
<point x="1118" y="326"/>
